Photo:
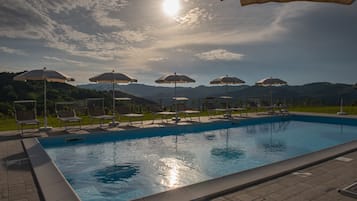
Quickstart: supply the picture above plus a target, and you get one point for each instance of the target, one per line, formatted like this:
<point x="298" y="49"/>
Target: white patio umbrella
<point x="227" y="80"/>
<point x="114" y="78"/>
<point x="174" y="79"/>
<point x="46" y="76"/>
<point x="270" y="82"/>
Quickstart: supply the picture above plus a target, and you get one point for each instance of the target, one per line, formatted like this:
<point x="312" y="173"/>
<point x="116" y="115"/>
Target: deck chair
<point x="95" y="107"/>
<point x="25" y="114"/>
<point x="214" y="107"/>
<point x="283" y="109"/>
<point x="187" y="111"/>
<point x="164" y="113"/>
<point x="238" y="108"/>
<point x="66" y="114"/>
<point x="126" y="108"/>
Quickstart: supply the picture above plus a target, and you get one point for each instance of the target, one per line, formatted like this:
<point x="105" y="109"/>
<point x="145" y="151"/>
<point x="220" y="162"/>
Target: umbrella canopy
<point x="46" y="76"/>
<point x="174" y="79"/>
<point x="227" y="80"/>
<point x="271" y="82"/>
<point x="43" y="74"/>
<point x="113" y="77"/>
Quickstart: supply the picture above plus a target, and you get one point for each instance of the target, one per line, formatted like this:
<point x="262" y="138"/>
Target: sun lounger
<point x="187" y="111"/>
<point x="95" y="108"/>
<point x="215" y="106"/>
<point x="126" y="109"/>
<point x="25" y="114"/>
<point x="66" y="113"/>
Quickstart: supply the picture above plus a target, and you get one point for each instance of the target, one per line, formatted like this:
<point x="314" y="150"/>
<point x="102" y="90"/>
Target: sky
<point x="300" y="42"/>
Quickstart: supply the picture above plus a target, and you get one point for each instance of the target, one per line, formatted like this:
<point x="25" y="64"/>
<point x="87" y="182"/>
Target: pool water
<point x="131" y="165"/>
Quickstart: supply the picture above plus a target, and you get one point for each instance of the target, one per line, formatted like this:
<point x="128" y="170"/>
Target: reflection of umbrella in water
<point x="227" y="153"/>
<point x="116" y="173"/>
<point x="274" y="145"/>
<point x="45" y="76"/>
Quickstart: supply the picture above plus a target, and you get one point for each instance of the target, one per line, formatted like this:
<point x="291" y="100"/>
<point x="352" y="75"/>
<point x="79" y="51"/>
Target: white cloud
<point x="131" y="36"/>
<point x="12" y="51"/>
<point x="156" y="59"/>
<point x="219" y="54"/>
<point x="194" y="16"/>
<point x="64" y="60"/>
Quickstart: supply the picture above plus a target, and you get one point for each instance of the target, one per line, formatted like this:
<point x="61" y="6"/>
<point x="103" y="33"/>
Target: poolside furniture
<point x="183" y="109"/>
<point x="283" y="109"/>
<point x="66" y="114"/>
<point x="239" y="109"/>
<point x="25" y="114"/>
<point x="163" y="113"/>
<point x="126" y="109"/>
<point x="95" y="107"/>
<point x="215" y="106"/>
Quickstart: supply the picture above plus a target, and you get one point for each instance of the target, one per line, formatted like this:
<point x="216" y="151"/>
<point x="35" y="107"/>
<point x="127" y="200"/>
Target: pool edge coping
<point x="237" y="181"/>
<point x="51" y="182"/>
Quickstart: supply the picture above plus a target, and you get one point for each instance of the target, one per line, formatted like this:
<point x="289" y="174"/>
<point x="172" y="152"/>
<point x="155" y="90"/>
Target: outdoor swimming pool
<point x="137" y="163"/>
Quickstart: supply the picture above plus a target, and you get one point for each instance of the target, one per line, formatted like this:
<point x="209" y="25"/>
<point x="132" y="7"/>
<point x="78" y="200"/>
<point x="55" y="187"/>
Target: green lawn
<point x="325" y="109"/>
<point x="10" y="124"/>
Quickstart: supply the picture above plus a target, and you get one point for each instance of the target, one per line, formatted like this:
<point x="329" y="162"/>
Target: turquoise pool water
<point x="132" y="164"/>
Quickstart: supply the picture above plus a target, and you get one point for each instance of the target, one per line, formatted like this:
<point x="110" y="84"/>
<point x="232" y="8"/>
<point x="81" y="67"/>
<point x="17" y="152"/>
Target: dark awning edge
<point x="249" y="2"/>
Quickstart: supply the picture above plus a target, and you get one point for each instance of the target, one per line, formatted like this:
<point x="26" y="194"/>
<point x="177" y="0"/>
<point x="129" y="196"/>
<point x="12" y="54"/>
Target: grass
<point x="10" y="124"/>
<point x="352" y="110"/>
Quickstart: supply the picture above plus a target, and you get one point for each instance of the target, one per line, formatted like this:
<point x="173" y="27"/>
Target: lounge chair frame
<point x="23" y="119"/>
<point x="210" y="104"/>
<point x="188" y="112"/>
<point x="67" y="117"/>
<point x="99" y="113"/>
<point x="130" y="115"/>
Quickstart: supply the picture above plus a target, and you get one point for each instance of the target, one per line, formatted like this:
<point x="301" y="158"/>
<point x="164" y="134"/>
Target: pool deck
<point x="318" y="182"/>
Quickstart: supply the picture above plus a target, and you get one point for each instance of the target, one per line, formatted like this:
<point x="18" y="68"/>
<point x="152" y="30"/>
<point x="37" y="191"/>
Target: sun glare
<point x="171" y="7"/>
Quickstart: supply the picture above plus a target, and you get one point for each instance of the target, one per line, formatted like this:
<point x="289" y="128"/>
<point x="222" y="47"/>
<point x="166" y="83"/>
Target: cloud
<point x="194" y="17"/>
<point x="131" y="36"/>
<point x="219" y="54"/>
<point x="64" y="60"/>
<point x="12" y="51"/>
<point x="156" y="59"/>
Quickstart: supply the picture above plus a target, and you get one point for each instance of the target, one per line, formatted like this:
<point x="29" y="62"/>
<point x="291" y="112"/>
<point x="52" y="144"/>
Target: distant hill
<point x="319" y="93"/>
<point x="11" y="90"/>
<point x="155" y="93"/>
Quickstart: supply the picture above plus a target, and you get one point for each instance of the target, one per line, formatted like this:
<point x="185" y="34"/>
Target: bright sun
<point x="171" y="7"/>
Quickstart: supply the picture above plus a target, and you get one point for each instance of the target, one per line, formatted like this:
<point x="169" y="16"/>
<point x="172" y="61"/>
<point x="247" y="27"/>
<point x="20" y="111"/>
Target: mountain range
<point x="319" y="93"/>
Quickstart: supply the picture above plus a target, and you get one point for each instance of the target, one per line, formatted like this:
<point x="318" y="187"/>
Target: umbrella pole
<point x="45" y="104"/>
<point x="113" y="120"/>
<point x="271" y="96"/>
<point x="176" y="114"/>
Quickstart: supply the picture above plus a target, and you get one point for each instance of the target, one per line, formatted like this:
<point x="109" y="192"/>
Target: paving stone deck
<point x="318" y="183"/>
<point x="16" y="179"/>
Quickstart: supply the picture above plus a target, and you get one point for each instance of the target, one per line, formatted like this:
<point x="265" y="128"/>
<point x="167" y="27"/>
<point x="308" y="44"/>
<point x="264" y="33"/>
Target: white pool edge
<point x="230" y="183"/>
<point x="52" y="184"/>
